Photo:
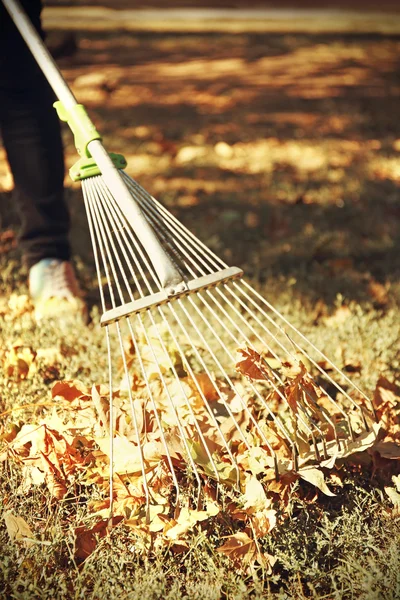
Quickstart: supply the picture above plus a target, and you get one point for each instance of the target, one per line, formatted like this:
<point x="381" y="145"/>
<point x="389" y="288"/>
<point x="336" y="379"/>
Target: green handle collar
<point x="81" y="126"/>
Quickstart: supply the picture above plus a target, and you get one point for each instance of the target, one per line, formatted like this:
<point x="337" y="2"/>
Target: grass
<point x="321" y="239"/>
<point x="341" y="548"/>
<point x="343" y="551"/>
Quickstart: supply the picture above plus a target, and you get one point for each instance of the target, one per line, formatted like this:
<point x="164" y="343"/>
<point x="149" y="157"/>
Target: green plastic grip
<point x="86" y="167"/>
<point x="81" y="126"/>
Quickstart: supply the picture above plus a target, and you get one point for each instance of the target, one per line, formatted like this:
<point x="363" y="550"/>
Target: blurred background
<point x="271" y="129"/>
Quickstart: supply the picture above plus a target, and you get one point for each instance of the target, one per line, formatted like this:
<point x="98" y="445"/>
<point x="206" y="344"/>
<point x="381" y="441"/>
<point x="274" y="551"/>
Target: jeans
<point x="32" y="139"/>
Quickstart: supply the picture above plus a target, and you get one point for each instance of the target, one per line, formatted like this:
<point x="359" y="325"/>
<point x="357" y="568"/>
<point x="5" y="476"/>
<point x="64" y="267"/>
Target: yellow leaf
<point x="242" y="550"/>
<point x="254" y="495"/>
<point x="188" y="518"/>
<point x="315" y="477"/>
<point x="18" y="529"/>
<point x="126" y="454"/>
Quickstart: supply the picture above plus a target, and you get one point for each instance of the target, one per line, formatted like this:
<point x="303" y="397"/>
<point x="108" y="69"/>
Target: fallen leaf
<point x="394" y="495"/>
<point x="263" y="522"/>
<point x="378" y="293"/>
<point x="70" y="390"/>
<point x="127" y="455"/>
<point x="49" y="451"/>
<point x="18" y="529"/>
<point x="387" y="449"/>
<point x="386" y="392"/>
<point x="86" y="540"/>
<point x="19" y="362"/>
<point x="239" y="547"/>
<point x="255" y="497"/>
<point x="188" y="519"/>
<point x="244" y="551"/>
<point x="315" y="477"/>
<point x="251" y="364"/>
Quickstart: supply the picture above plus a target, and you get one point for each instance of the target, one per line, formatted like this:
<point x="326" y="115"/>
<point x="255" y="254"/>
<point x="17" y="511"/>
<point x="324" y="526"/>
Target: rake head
<point x="210" y="383"/>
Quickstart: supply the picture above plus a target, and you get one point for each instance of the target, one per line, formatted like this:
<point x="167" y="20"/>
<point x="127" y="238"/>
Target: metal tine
<point x="111" y="208"/>
<point x="103" y="232"/>
<point x="208" y="408"/>
<point x="166" y="220"/>
<point x="151" y="215"/>
<point x="147" y="200"/>
<point x="153" y="205"/>
<point x="315" y="364"/>
<point x="156" y="413"/>
<point x="270" y="349"/>
<point x="184" y="435"/>
<point x="189" y="370"/>
<point x="306" y="340"/>
<point x="220" y="367"/>
<point x="133" y="246"/>
<point x="232" y="387"/>
<point x="87" y="197"/>
<point x="89" y="187"/>
<point x="265" y="375"/>
<point x="293" y="445"/>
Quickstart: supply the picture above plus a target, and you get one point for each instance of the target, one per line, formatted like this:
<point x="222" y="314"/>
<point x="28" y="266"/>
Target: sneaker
<point x="54" y="290"/>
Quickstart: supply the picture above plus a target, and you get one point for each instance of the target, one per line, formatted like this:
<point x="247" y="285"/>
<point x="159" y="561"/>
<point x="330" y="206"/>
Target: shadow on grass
<point x="308" y="188"/>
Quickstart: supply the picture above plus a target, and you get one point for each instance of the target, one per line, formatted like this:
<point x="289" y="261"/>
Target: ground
<point x="282" y="153"/>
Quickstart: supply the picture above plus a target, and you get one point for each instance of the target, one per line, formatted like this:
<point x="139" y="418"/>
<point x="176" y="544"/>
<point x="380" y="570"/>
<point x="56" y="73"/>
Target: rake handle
<point x="169" y="276"/>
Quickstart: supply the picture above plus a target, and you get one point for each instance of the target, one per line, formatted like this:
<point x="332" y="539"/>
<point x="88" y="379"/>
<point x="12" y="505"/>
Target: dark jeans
<point x="31" y="135"/>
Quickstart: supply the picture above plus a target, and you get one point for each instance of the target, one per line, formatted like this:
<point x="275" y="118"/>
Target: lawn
<point x="281" y="153"/>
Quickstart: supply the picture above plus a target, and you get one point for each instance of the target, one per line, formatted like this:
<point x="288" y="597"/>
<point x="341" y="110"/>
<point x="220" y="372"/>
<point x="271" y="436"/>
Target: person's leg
<point x="32" y="139"/>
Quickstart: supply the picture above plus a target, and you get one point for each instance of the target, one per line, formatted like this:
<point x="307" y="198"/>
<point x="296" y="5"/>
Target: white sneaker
<point x="54" y="290"/>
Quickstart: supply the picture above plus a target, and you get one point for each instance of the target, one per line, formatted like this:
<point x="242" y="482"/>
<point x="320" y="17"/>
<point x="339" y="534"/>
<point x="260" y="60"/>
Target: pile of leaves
<point x="69" y="449"/>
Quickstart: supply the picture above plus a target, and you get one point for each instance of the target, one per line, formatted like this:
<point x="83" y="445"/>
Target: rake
<point x="217" y="381"/>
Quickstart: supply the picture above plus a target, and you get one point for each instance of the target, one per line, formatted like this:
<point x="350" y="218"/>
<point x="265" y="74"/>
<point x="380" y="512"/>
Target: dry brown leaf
<point x="18" y="529"/>
<point x="70" y="390"/>
<point x="386" y="392"/>
<point x="86" y="540"/>
<point x="378" y="293"/>
<point x="244" y="551"/>
<point x="250" y="364"/>
<point x="386" y="449"/>
<point x="207" y="386"/>
<point x="239" y="547"/>
<point x="50" y="452"/>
